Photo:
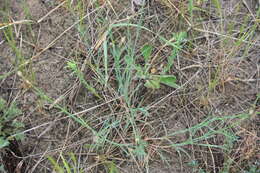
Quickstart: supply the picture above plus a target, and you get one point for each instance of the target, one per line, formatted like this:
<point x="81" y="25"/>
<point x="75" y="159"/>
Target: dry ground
<point x="217" y="69"/>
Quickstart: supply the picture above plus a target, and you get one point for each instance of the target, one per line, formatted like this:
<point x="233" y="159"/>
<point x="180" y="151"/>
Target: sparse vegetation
<point x="130" y="86"/>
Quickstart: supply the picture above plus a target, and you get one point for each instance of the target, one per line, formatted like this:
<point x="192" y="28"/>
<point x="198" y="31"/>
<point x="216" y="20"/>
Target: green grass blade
<point x="55" y="165"/>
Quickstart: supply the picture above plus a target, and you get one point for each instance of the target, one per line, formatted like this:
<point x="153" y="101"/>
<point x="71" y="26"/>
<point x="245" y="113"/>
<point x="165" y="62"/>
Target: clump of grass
<point x="153" y="81"/>
<point x="69" y="165"/>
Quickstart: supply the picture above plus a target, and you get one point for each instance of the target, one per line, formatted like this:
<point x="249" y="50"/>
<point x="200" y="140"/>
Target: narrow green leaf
<point x="66" y="164"/>
<point x="139" y="71"/>
<point x="105" y="49"/>
<point x="2" y="104"/>
<point x="179" y="38"/>
<point x="153" y="84"/>
<point x="191" y="8"/>
<point x="217" y="4"/>
<point x="56" y="166"/>
<point x="112" y="167"/>
<point x="147" y="52"/>
<point x="3" y="142"/>
<point x="19" y="136"/>
<point x="169" y="80"/>
<point x="73" y="158"/>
